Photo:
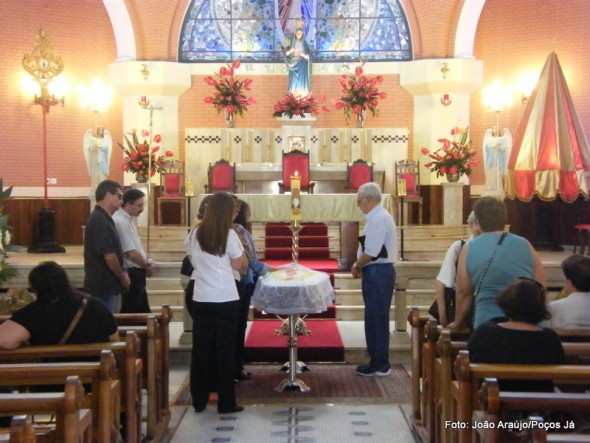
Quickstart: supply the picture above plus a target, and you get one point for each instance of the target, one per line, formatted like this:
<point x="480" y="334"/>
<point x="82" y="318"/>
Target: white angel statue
<point x="97" y="152"/>
<point x="496" y="152"/>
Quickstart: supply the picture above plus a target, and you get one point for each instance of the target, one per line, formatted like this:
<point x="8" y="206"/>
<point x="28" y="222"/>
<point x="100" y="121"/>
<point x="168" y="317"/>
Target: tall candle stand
<point x="293" y="383"/>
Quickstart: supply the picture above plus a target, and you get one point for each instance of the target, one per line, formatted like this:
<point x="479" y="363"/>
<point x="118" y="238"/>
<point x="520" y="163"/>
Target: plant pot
<point x="141" y="178"/>
<point x="453" y="178"/>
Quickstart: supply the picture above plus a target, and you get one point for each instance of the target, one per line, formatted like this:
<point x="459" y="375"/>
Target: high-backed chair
<point x="358" y="173"/>
<point x="172" y="184"/>
<point x="296" y="161"/>
<point x="221" y="177"/>
<point x="409" y="170"/>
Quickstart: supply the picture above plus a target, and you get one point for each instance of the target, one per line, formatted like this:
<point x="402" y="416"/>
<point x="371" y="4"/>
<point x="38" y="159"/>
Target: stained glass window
<point x="256" y="30"/>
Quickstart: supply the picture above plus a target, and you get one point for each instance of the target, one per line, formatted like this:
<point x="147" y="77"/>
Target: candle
<point x="295" y="197"/>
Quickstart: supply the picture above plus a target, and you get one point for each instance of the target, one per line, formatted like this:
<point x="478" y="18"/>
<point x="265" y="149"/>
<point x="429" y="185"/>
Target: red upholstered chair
<point x="296" y="161"/>
<point x="221" y="177"/>
<point x="358" y="173"/>
<point x="172" y="182"/>
<point x="408" y="170"/>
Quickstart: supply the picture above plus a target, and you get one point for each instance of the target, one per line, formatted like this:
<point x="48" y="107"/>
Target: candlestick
<point x="401" y="187"/>
<point x="296" y="196"/>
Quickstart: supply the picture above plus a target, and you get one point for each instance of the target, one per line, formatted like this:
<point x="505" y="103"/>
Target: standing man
<point x="138" y="266"/>
<point x="374" y="264"/>
<point x="104" y="276"/>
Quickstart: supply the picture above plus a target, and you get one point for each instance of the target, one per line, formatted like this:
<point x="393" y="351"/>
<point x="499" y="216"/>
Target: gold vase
<point x="141" y="178"/>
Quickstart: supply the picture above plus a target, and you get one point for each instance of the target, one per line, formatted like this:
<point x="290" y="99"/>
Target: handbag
<point x="449" y="298"/>
<point x="187" y="267"/>
<point x="449" y="306"/>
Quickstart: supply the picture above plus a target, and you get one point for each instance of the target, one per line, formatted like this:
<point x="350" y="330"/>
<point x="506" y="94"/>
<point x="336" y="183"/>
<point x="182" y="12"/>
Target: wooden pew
<point x="73" y="424"/>
<point x="130" y="366"/>
<point x="498" y="405"/>
<point x="464" y="390"/>
<point x="153" y="331"/>
<point x="103" y="399"/>
<point x="21" y="430"/>
<point x="417" y="324"/>
<point x="447" y="351"/>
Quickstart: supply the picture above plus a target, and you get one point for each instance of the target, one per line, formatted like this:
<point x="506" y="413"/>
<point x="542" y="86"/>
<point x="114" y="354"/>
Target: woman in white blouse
<point x="216" y="252"/>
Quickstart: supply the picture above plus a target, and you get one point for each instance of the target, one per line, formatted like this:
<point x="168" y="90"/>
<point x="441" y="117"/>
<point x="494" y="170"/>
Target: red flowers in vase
<point x="140" y="157"/>
<point x="454" y="156"/>
<point x="359" y="93"/>
<point x="229" y="90"/>
<point x="299" y="105"/>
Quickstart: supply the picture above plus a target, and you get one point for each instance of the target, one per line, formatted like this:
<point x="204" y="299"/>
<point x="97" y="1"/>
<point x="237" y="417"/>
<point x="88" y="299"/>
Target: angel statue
<point x="496" y="152"/>
<point x="97" y="152"/>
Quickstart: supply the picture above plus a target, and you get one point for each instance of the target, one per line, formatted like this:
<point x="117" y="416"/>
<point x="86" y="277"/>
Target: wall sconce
<point x="445" y="68"/>
<point x="445" y="100"/>
<point x="145" y="71"/>
<point x="44" y="66"/>
<point x="496" y="96"/>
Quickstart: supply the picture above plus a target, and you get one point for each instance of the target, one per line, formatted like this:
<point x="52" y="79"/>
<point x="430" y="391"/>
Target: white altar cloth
<point x="293" y="290"/>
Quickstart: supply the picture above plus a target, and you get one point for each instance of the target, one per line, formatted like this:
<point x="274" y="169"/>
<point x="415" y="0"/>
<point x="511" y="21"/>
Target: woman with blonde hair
<point x="216" y="252"/>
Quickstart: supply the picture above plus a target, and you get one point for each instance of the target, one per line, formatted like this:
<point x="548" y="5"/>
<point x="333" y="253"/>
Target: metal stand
<point x="292" y="383"/>
<point x="401" y="230"/>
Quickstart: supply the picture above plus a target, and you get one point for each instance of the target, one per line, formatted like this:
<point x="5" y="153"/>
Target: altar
<point x="318" y="208"/>
<point x="257" y="153"/>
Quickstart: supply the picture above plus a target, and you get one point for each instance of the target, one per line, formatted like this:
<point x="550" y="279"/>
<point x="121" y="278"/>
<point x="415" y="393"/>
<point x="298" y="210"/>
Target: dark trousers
<point x="214" y="336"/>
<point x="377" y="285"/>
<point x="245" y="290"/>
<point x="135" y="300"/>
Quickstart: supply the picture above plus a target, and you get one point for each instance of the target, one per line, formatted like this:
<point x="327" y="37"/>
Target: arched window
<point x="256" y="30"/>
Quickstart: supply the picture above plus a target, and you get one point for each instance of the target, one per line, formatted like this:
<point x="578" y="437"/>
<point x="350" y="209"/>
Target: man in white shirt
<point x="139" y="267"/>
<point x="376" y="256"/>
<point x="573" y="311"/>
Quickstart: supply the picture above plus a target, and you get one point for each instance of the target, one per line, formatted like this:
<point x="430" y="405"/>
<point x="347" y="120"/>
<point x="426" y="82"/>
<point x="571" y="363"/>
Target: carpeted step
<point x="306" y="253"/>
<point x="324" y="344"/>
<point x="308" y="229"/>
<point x="304" y="242"/>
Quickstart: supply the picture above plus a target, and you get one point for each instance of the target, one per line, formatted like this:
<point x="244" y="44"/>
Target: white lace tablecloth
<point x="293" y="289"/>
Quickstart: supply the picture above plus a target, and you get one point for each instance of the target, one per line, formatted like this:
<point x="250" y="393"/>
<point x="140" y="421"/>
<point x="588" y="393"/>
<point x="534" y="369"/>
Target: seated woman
<point x="46" y="321"/>
<point x="518" y="340"/>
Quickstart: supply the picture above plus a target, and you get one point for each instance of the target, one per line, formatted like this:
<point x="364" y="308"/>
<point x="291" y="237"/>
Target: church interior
<point x="500" y="81"/>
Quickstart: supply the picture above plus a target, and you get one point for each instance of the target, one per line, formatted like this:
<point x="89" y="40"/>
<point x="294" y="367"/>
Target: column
<point x="452" y="203"/>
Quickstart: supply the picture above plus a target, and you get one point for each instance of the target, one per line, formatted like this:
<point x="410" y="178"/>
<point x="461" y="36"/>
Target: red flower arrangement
<point x="359" y="93"/>
<point x="137" y="155"/>
<point x="229" y="91"/>
<point x="299" y="105"/>
<point x="454" y="156"/>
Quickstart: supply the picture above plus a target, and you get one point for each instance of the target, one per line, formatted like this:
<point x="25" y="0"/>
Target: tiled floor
<point x="277" y="423"/>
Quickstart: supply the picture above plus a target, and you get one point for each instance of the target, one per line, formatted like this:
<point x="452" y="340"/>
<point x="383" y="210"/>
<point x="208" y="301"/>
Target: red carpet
<point x="324" y="344"/>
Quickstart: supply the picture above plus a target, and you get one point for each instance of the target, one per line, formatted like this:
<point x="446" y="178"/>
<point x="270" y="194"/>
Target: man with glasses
<point x="138" y="266"/>
<point x="376" y="256"/>
<point x="104" y="276"/>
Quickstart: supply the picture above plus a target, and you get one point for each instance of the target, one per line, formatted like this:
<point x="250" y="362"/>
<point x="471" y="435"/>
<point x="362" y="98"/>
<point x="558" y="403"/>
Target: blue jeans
<point x="377" y="285"/>
<point x="110" y="301"/>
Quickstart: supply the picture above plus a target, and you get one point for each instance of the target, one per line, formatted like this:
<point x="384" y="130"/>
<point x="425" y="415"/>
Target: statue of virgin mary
<point x="298" y="60"/>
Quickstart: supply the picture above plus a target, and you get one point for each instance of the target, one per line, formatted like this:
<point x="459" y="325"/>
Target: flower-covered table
<point x="293" y="290"/>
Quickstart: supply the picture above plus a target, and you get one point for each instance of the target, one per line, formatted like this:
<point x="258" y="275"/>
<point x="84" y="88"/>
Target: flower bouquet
<point x="229" y="91"/>
<point x="299" y="105"/>
<point x="454" y="157"/>
<point x="359" y="94"/>
<point x="140" y="157"/>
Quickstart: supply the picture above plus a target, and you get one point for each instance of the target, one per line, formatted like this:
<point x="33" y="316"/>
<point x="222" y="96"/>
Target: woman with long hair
<point x="218" y="258"/>
<point x="46" y="320"/>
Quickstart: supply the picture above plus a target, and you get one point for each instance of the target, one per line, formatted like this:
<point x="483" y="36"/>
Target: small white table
<point x="293" y="290"/>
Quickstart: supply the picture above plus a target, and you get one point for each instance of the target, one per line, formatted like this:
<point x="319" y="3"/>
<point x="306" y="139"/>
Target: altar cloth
<point x="293" y="290"/>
